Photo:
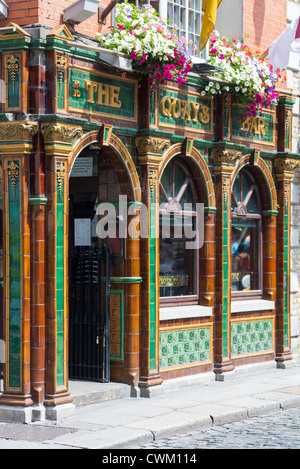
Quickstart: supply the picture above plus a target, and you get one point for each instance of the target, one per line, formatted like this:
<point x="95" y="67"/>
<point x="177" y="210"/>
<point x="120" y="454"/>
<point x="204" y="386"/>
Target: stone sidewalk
<point x="122" y="422"/>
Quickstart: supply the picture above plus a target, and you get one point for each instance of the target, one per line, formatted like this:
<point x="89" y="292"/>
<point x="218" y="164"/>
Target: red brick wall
<point x="50" y="13"/>
<point x="264" y="21"/>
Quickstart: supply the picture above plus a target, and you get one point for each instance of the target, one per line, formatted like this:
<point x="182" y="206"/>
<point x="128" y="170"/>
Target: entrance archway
<point x="100" y="174"/>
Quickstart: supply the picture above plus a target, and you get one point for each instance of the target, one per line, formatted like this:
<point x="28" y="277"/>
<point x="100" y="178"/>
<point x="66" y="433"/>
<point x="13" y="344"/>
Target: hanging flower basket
<point x="251" y="78"/>
<point x="154" y="48"/>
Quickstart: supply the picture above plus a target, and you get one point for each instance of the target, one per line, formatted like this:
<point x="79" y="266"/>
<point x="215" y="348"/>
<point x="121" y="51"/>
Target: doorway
<point x="89" y="274"/>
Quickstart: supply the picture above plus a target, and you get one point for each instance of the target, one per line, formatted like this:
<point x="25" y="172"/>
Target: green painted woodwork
<point x="184" y="347"/>
<point x="15" y="329"/>
<point x="123" y="279"/>
<point x="251" y="337"/>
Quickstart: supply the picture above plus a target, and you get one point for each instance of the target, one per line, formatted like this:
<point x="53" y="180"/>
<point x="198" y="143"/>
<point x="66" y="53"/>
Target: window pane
<point x="253" y="205"/>
<point x="177" y="274"/>
<point x="246" y="248"/>
<point x="249" y="195"/>
<point x="166" y="181"/>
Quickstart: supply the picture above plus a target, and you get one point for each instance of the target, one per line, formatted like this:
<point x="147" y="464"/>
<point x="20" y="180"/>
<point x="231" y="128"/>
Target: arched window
<point x="246" y="236"/>
<point x="178" y="274"/>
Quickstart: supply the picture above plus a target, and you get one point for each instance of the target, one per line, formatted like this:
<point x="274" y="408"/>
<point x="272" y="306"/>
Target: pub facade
<point x="78" y="137"/>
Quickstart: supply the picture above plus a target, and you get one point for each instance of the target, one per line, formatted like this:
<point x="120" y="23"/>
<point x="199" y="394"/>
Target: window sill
<point x="244" y="306"/>
<point x="183" y="312"/>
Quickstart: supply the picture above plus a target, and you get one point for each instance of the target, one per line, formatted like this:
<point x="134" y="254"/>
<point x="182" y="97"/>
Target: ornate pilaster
<point x="284" y="117"/>
<point x="224" y="161"/>
<point x="150" y="150"/>
<point x="285" y="172"/>
<point x="58" y="143"/>
<point x="15" y="147"/>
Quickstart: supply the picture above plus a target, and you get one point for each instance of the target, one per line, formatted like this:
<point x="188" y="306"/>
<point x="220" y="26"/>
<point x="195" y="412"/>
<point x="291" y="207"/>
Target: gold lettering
<point x="90" y="87"/>
<point x="253" y="127"/>
<point x="195" y="108"/>
<point x="256" y="125"/>
<point x="204" y="115"/>
<point x="176" y="103"/>
<point x="114" y="97"/>
<point x="186" y="111"/>
<point x="246" y="125"/>
<point x="166" y="112"/>
<point x="260" y="126"/>
<point x="76" y="91"/>
<point x="107" y="95"/>
<point x="103" y="91"/>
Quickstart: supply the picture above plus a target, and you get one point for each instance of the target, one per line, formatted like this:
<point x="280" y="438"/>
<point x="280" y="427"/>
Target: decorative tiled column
<point x="285" y="173"/>
<point x="58" y="147"/>
<point x="132" y="311"/>
<point x="150" y="150"/>
<point x="15" y="148"/>
<point x="37" y="203"/>
<point x="223" y="161"/>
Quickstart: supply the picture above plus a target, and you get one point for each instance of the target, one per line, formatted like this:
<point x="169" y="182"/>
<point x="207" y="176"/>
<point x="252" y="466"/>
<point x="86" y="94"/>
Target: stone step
<point x="89" y="392"/>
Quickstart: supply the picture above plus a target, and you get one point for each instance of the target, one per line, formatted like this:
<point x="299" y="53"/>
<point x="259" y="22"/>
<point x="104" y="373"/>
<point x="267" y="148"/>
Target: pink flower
<point x="121" y="27"/>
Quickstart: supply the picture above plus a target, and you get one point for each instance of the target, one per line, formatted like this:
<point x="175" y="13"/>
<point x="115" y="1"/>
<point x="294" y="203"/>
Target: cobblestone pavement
<point x="280" y="430"/>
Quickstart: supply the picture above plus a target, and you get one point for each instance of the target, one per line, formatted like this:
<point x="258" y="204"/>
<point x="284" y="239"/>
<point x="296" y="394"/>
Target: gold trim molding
<point x="60" y="32"/>
<point x="61" y="173"/>
<point x="18" y="34"/>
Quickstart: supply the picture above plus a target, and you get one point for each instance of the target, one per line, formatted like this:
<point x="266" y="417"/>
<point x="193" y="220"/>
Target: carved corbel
<point x="59" y="138"/>
<point x="224" y="160"/>
<point x="285" y="168"/>
<point x="19" y="134"/>
<point x="150" y="149"/>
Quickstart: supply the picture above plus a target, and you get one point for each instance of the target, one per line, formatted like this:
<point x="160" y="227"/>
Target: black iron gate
<point x="89" y="325"/>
